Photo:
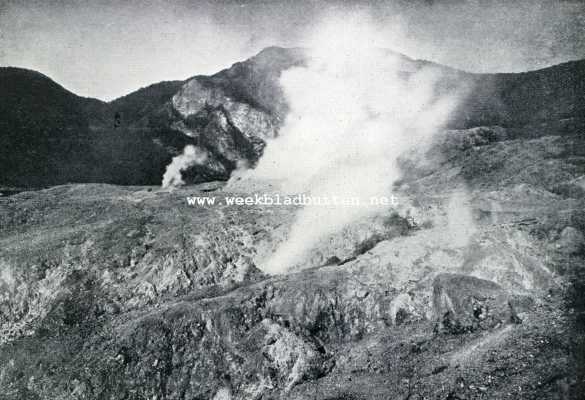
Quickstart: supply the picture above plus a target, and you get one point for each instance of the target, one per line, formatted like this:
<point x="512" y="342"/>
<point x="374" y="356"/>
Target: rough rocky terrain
<point x="471" y="288"/>
<point x="131" y="293"/>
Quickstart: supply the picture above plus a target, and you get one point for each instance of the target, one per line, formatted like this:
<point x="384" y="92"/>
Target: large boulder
<point x="464" y="303"/>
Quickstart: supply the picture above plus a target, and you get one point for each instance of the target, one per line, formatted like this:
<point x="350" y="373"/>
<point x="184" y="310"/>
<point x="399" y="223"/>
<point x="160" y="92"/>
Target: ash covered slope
<point x="51" y="136"/>
<point x="128" y="292"/>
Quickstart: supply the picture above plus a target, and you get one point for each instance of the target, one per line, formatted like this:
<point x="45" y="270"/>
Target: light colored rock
<point x="571" y="241"/>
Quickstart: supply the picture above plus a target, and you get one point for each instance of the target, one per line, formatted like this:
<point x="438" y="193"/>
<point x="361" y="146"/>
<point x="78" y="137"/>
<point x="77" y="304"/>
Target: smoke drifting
<point x="191" y="156"/>
<point x="353" y="110"/>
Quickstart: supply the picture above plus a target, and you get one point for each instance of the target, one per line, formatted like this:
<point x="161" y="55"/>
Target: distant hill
<point x="49" y="135"/>
<point x="544" y="102"/>
<point x="42" y="129"/>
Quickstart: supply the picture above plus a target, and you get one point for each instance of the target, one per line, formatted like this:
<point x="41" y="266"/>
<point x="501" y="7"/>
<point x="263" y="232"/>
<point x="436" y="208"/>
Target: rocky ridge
<point x="231" y="114"/>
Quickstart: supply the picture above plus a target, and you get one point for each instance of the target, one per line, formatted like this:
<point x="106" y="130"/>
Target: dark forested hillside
<point x="49" y="135"/>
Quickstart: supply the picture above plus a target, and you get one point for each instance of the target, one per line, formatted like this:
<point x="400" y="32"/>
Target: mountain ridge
<point x="131" y="139"/>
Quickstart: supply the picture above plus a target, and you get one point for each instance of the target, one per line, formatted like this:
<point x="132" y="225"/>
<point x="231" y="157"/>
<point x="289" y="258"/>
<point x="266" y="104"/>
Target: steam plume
<point x="353" y="110"/>
<point x="191" y="156"/>
<point x="460" y="222"/>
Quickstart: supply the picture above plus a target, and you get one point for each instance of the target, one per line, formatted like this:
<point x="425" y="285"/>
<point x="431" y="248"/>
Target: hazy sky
<point x="106" y="48"/>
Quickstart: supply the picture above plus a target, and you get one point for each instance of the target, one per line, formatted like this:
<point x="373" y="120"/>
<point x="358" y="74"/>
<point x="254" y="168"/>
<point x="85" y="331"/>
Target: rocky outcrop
<point x="462" y="303"/>
<point x="194" y="100"/>
<point x="571" y="241"/>
<point x="234" y="112"/>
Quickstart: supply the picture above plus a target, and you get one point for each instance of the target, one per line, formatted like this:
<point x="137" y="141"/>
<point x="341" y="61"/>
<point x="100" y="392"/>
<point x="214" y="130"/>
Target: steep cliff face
<point x="234" y="112"/>
<point x="197" y="97"/>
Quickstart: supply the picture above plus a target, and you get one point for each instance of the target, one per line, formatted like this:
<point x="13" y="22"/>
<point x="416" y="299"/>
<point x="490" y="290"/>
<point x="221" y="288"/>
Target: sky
<point x="106" y="49"/>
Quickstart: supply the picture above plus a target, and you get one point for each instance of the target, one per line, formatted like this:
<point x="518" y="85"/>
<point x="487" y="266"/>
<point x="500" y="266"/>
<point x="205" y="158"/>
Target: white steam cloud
<point x="353" y="110"/>
<point x="191" y="156"/>
<point x="460" y="222"/>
